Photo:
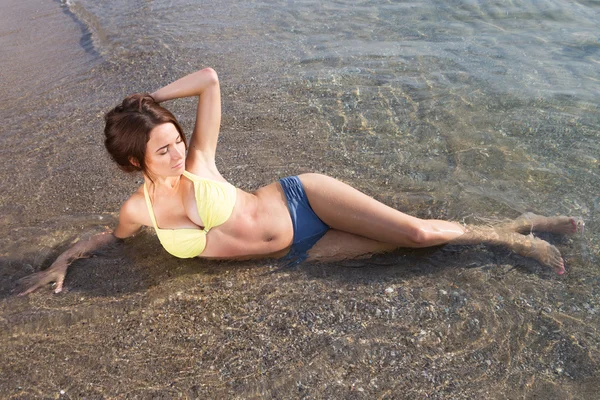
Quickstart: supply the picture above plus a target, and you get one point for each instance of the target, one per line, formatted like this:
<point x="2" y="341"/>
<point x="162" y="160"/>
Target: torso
<point x="260" y="223"/>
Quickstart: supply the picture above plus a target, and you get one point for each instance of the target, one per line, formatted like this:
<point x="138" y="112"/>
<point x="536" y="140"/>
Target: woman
<point x="197" y="213"/>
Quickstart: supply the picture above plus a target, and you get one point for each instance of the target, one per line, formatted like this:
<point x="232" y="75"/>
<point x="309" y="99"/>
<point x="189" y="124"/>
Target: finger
<point x="31" y="289"/>
<point x="28" y="279"/>
<point x="34" y="282"/>
<point x="59" y="284"/>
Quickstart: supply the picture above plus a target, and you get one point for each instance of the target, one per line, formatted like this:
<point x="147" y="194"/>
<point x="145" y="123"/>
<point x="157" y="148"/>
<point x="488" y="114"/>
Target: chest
<point x="178" y="210"/>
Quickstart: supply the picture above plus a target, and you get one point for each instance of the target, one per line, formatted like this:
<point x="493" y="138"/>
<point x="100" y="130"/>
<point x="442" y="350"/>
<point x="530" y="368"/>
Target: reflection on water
<point x="472" y="111"/>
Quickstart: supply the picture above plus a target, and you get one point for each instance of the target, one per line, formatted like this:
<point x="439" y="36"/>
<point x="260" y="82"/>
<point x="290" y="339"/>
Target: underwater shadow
<point x="140" y="264"/>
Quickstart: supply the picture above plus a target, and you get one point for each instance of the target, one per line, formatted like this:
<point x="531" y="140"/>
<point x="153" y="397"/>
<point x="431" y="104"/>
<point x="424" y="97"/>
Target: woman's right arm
<point x="58" y="270"/>
<point x="82" y="249"/>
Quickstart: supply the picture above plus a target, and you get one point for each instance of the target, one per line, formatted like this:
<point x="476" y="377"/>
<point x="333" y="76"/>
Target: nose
<point x="178" y="154"/>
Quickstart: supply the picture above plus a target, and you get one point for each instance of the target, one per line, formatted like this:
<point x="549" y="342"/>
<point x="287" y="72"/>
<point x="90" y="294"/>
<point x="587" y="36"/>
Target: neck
<point x="169" y="183"/>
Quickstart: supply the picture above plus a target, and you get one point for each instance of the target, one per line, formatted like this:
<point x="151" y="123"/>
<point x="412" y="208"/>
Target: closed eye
<point x="165" y="149"/>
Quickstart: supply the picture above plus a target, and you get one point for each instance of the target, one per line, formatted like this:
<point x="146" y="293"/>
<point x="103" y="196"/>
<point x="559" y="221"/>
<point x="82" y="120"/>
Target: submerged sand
<point x="472" y="322"/>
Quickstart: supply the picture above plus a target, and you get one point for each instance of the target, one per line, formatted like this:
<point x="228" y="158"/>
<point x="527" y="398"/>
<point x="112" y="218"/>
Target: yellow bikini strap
<point x="149" y="204"/>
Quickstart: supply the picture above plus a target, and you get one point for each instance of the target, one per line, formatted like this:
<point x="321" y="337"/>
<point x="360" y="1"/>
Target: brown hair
<point x="128" y="127"/>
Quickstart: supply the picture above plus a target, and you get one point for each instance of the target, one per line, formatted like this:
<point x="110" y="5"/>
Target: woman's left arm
<point x="205" y="84"/>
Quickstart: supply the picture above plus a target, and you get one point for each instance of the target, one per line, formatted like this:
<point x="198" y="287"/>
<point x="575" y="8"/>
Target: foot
<point x="544" y="253"/>
<point x="562" y="225"/>
<point x="527" y="246"/>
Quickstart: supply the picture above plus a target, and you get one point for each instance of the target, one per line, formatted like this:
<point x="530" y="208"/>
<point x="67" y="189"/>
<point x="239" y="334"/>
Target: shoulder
<point x="132" y="216"/>
<point x="134" y="209"/>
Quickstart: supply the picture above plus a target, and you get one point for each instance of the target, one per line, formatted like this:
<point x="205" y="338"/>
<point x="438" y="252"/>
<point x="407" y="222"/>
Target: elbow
<point x="210" y="75"/>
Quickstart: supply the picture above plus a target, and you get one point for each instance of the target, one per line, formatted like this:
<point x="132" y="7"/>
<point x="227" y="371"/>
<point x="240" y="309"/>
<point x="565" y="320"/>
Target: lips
<point x="178" y="165"/>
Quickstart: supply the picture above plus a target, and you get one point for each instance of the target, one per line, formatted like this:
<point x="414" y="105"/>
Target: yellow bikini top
<point x="215" y="201"/>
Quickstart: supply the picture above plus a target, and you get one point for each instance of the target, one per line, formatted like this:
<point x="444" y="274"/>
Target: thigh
<point x="344" y="208"/>
<point x="338" y="245"/>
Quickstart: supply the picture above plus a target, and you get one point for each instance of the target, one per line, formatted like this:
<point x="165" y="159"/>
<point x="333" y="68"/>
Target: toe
<point x="559" y="266"/>
<point x="573" y="225"/>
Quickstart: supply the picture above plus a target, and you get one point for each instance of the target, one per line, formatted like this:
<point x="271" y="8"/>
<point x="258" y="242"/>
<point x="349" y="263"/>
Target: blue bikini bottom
<point x="308" y="227"/>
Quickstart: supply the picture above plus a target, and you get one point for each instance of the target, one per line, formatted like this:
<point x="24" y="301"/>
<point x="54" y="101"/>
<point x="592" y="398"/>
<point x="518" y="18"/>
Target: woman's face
<point x="165" y="151"/>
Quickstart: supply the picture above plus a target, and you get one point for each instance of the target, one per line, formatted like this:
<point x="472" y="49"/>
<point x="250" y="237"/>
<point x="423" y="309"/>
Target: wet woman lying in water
<point x="197" y="213"/>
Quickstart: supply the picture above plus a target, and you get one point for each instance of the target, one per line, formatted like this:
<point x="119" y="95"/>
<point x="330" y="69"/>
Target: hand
<point x="58" y="269"/>
<point x="56" y="273"/>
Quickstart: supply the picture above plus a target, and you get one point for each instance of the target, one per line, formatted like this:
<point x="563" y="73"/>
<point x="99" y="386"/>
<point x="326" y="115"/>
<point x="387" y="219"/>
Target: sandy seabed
<point x="446" y="323"/>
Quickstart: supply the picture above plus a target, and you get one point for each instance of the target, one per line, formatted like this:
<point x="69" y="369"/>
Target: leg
<point x="530" y="222"/>
<point x="345" y="208"/>
<point x="338" y="245"/>
<point x="527" y="246"/>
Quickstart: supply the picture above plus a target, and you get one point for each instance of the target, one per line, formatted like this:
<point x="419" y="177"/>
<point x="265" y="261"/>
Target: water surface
<point x="471" y="111"/>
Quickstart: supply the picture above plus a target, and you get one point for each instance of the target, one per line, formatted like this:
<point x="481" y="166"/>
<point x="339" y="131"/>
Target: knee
<point x="420" y="236"/>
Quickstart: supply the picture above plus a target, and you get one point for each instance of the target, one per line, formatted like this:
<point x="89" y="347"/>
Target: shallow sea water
<point x="474" y="111"/>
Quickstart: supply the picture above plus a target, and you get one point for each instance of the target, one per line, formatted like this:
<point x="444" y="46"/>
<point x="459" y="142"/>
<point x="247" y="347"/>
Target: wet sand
<point x="452" y="322"/>
<point x="401" y="326"/>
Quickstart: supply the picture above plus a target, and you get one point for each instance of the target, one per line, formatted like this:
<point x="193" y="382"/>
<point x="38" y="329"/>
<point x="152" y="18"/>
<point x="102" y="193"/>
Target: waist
<point x="259" y="224"/>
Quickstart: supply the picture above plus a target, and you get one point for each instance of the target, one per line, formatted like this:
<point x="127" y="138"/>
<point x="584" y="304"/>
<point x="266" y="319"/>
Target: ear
<point x="133" y="161"/>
